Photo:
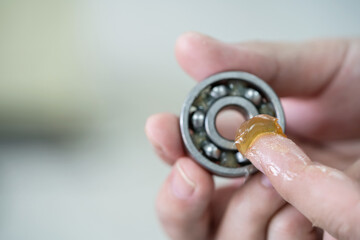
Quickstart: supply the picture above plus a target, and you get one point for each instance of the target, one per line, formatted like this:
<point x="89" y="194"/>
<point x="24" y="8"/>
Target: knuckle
<point x="163" y="209"/>
<point x="289" y="224"/>
<point x="284" y="226"/>
<point x="342" y="226"/>
<point x="170" y="212"/>
<point x="342" y="229"/>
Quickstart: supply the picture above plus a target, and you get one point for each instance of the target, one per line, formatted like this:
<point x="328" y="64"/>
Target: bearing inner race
<point x="239" y="103"/>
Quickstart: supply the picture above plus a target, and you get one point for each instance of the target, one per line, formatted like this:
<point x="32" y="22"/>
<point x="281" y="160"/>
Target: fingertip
<point x="150" y="125"/>
<point x="187" y="38"/>
<point x="202" y="179"/>
<point x="199" y="54"/>
<point x="188" y="184"/>
<point x="163" y="132"/>
<point x="186" y="52"/>
<point x="182" y="204"/>
<point x="188" y="42"/>
<point x="154" y="125"/>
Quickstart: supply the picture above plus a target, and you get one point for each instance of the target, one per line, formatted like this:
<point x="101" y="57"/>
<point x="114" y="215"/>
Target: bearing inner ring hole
<point x="228" y="120"/>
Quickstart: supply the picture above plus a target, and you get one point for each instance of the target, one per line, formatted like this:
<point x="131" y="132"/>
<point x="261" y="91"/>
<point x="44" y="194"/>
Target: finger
<point x="327" y="236"/>
<point x="353" y="171"/>
<point x="164" y="134"/>
<point x="318" y="119"/>
<point x="289" y="223"/>
<point x="326" y="196"/>
<point x="249" y="210"/>
<point x="183" y="201"/>
<point x="325" y="153"/>
<point x="221" y="199"/>
<point x="291" y="69"/>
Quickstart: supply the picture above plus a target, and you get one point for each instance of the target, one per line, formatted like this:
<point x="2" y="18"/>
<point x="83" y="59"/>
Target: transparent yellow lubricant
<point x="250" y="130"/>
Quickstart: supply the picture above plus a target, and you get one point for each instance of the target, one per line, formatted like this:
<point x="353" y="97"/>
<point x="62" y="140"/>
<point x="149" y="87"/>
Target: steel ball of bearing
<point x="239" y="90"/>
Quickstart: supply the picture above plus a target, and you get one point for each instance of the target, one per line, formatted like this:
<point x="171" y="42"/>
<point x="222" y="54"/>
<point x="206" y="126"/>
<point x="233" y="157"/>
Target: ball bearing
<point x="242" y="91"/>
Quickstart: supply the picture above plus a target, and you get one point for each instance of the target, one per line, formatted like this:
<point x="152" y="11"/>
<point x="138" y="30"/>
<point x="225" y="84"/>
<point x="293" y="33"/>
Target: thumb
<point x="326" y="196"/>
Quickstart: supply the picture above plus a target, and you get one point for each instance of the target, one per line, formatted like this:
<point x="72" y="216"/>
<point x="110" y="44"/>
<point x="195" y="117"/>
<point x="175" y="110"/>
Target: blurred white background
<point x="77" y="82"/>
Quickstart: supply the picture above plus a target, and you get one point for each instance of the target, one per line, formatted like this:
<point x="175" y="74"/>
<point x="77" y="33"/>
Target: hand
<point x="319" y="85"/>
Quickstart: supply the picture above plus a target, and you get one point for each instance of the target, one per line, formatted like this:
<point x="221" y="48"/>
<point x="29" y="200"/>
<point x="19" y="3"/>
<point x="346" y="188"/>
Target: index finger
<point x="326" y="196"/>
<point x="292" y="69"/>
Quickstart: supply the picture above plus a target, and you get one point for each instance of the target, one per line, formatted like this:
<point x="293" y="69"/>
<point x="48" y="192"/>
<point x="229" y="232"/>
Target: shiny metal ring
<point x="240" y="90"/>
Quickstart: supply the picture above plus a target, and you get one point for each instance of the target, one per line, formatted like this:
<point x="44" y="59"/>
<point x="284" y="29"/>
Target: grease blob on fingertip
<point x="250" y="130"/>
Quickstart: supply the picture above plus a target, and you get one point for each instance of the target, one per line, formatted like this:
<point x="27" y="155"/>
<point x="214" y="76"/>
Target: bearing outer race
<point x="254" y="82"/>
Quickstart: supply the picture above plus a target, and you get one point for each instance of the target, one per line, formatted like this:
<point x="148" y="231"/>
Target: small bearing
<point x="239" y="90"/>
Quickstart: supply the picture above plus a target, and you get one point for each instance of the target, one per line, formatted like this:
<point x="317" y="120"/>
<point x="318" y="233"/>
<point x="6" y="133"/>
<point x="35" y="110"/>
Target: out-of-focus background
<point x="77" y="82"/>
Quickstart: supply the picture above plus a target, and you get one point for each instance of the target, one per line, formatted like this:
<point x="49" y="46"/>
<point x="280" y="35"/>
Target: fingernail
<point x="182" y="185"/>
<point x="265" y="181"/>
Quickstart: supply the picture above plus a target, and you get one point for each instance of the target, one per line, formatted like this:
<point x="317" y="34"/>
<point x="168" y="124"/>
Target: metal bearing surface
<point x="243" y="91"/>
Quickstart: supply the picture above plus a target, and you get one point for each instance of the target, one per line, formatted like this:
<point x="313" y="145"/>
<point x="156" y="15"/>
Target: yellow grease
<point x="250" y="130"/>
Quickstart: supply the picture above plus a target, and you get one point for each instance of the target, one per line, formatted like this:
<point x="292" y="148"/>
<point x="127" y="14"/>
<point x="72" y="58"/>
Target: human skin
<point x="319" y="83"/>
